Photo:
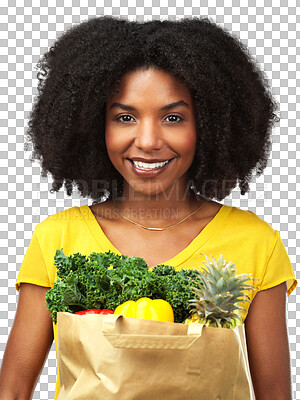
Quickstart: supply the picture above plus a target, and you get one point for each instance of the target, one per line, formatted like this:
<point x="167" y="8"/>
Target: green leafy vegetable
<point x="106" y="280"/>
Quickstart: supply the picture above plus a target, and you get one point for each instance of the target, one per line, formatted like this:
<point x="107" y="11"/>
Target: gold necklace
<point x="158" y="229"/>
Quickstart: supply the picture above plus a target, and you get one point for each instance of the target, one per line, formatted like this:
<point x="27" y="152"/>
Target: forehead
<point x="151" y="83"/>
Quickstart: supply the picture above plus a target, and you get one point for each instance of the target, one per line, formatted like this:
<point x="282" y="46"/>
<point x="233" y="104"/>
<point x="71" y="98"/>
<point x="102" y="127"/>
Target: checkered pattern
<point x="29" y="27"/>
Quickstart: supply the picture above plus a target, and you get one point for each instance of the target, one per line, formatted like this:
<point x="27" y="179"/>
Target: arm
<point x="28" y="344"/>
<point x="268" y="345"/>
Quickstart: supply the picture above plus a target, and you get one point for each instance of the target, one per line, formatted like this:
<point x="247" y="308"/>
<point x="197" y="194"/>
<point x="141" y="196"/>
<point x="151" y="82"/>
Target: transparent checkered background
<point x="29" y="27"/>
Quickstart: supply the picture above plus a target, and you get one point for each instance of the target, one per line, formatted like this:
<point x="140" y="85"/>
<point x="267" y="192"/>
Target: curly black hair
<point x="234" y="106"/>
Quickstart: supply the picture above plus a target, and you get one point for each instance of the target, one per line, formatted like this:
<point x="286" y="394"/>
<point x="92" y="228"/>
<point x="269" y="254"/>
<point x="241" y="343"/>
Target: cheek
<point x="112" y="142"/>
<point x="108" y="141"/>
<point x="188" y="145"/>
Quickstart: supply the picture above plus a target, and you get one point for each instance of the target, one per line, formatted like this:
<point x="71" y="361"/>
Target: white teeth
<point x="149" y="166"/>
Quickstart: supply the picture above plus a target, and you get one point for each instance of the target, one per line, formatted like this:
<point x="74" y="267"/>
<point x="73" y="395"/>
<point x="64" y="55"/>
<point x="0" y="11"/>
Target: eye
<point x="124" y="118"/>
<point x="174" y="118"/>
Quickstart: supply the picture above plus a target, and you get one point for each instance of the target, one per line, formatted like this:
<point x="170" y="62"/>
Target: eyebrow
<point x="167" y="107"/>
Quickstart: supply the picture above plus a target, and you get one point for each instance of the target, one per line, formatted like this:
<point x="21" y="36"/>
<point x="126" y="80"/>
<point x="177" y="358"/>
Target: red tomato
<point x="94" y="311"/>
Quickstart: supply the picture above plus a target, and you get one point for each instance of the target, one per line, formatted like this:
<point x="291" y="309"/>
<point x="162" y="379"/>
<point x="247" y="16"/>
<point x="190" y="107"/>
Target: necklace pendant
<point x="154" y="229"/>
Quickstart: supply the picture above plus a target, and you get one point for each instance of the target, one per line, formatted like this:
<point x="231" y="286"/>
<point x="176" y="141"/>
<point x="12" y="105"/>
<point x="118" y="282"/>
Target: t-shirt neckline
<point x="206" y="233"/>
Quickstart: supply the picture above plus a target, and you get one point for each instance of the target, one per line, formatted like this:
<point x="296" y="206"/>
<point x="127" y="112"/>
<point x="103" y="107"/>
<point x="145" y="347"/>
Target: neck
<point x="161" y="208"/>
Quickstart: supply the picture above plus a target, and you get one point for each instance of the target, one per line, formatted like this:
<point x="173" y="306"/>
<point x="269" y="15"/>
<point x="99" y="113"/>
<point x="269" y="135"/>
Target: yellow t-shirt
<point x="239" y="235"/>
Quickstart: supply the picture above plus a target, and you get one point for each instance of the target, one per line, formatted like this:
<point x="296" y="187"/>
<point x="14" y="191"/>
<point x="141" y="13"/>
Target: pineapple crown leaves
<point x="218" y="292"/>
<point x="221" y="276"/>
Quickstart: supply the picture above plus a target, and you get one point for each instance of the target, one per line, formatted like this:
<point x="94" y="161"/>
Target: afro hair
<point x="234" y="107"/>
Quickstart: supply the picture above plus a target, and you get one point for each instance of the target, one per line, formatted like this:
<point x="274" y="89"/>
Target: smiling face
<point x="151" y="119"/>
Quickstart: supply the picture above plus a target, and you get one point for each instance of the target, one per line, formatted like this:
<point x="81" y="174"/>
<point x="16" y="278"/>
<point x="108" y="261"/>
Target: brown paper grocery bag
<point x="110" y="357"/>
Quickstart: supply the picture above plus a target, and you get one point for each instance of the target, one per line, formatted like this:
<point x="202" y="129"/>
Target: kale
<point x="176" y="289"/>
<point x="105" y="280"/>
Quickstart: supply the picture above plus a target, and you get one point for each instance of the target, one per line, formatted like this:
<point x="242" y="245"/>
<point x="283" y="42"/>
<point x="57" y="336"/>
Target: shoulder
<point x="249" y="233"/>
<point x="250" y="223"/>
<point x="104" y="211"/>
<point x="59" y="221"/>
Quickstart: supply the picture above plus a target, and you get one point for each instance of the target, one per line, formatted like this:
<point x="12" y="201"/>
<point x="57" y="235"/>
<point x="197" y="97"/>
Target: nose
<point x="148" y="136"/>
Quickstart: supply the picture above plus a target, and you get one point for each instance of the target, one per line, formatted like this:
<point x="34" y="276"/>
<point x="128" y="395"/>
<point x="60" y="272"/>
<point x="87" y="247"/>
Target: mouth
<point x="149" y="169"/>
<point x="147" y="166"/>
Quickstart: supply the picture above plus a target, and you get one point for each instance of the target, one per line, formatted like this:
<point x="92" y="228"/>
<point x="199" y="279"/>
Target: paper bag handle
<point x="134" y="341"/>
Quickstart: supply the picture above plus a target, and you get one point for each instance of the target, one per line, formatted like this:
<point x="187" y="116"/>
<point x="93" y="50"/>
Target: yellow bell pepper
<point x="145" y="308"/>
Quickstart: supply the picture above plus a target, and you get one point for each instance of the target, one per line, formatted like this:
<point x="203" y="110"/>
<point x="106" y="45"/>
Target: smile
<point x="149" y="170"/>
<point x="149" y="166"/>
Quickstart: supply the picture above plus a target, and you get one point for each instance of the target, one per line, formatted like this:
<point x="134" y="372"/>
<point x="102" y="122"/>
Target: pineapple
<point x="218" y="292"/>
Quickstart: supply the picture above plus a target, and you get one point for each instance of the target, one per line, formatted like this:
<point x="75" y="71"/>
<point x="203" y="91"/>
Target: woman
<point x="154" y="120"/>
